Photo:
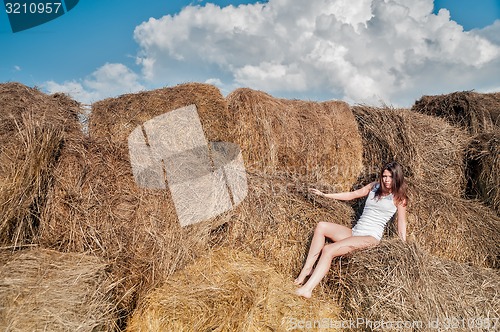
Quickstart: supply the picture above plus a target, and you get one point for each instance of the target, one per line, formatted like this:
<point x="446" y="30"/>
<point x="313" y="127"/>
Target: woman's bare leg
<point x="323" y="230"/>
<point x="330" y="251"/>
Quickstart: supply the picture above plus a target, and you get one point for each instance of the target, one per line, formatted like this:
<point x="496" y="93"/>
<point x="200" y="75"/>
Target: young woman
<point x="385" y="197"/>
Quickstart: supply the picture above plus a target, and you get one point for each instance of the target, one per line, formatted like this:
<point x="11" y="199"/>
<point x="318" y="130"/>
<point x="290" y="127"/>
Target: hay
<point x="227" y="291"/>
<point x="18" y="100"/>
<point x="479" y="115"/>
<point x="276" y="221"/>
<point x="396" y="282"/>
<point x="484" y="168"/>
<point x="454" y="228"/>
<point x="114" y="118"/>
<point x="431" y="151"/>
<point x="33" y="128"/>
<point x="43" y="290"/>
<point x="475" y="112"/>
<point x="318" y="141"/>
<point x="96" y="207"/>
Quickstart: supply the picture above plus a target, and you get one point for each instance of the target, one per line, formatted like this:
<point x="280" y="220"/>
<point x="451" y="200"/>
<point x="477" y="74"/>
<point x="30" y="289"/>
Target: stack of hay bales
<point x="476" y="112"/>
<point x="479" y="115"/>
<point x="80" y="195"/>
<point x="316" y="142"/>
<point x="114" y="119"/>
<point x="432" y="153"/>
<point x="484" y="168"/>
<point x="44" y="290"/>
<point x="97" y="207"/>
<point x="33" y="127"/>
<point x="406" y="288"/>
<point x="228" y="290"/>
<point x="276" y="221"/>
<point x="430" y="150"/>
<point x="289" y="145"/>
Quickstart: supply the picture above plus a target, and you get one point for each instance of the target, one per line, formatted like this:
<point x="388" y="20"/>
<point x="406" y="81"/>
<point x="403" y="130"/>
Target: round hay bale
<point x="33" y="128"/>
<point x="318" y="141"/>
<point x="406" y="288"/>
<point x="484" y="168"/>
<point x="18" y="100"/>
<point x="431" y="151"/>
<point x="114" y="118"/>
<point x="276" y="221"/>
<point x="455" y="228"/>
<point x="473" y="111"/>
<point x="44" y="290"/>
<point x="228" y="290"/>
<point x="96" y="207"/>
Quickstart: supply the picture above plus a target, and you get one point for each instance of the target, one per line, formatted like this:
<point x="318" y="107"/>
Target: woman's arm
<point x="402" y="221"/>
<point x="345" y="196"/>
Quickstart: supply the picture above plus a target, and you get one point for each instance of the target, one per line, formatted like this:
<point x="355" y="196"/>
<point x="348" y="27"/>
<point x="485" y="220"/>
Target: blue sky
<point x="373" y="51"/>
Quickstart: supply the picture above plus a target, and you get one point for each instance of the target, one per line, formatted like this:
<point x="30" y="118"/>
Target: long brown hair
<point x="399" y="186"/>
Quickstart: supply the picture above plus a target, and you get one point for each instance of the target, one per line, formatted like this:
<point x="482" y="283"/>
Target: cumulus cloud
<point x="110" y="80"/>
<point x="360" y="51"/>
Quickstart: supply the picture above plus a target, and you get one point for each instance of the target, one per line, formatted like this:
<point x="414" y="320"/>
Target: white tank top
<point x="376" y="214"/>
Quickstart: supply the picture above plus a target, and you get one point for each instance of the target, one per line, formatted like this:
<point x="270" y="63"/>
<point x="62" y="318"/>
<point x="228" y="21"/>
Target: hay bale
<point x="397" y="282"/>
<point x="318" y="141"/>
<point x="475" y="112"/>
<point x="484" y="168"/>
<point x="479" y="115"/>
<point x="431" y="151"/>
<point x="114" y="118"/>
<point x="96" y="207"/>
<point x="455" y="228"/>
<point x="18" y="100"/>
<point x="44" y="290"/>
<point x="227" y="290"/>
<point x="276" y="221"/>
<point x="33" y="128"/>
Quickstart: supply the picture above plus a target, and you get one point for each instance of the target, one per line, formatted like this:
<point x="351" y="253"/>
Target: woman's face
<point x="387" y="179"/>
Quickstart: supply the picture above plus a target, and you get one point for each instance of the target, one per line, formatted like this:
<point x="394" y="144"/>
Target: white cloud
<point x="361" y="51"/>
<point x="110" y="80"/>
<point x="73" y="88"/>
<point x="491" y="32"/>
<point x="17" y="68"/>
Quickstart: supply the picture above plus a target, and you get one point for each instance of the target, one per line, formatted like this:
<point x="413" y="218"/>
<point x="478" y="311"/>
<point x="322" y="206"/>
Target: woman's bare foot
<point x="302" y="276"/>
<point x="302" y="291"/>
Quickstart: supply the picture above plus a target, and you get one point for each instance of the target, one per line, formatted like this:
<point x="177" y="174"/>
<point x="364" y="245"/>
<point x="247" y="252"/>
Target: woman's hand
<point x="316" y="192"/>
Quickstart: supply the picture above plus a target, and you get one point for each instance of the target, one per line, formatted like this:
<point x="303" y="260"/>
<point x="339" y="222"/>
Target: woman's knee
<point x="322" y="227"/>
<point x="329" y="250"/>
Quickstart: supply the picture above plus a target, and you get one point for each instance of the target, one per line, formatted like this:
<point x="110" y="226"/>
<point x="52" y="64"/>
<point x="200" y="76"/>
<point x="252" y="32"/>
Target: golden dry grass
<point x="317" y="141"/>
<point x="227" y="290"/>
<point x="33" y="128"/>
<point x="45" y="290"/>
<point x="276" y="221"/>
<point x="473" y="111"/>
<point x="76" y="194"/>
<point x="455" y="228"/>
<point x="433" y="155"/>
<point x="484" y="168"/>
<point x="401" y="282"/>
<point x="431" y="151"/>
<point x="114" y="119"/>
<point x="96" y="207"/>
<point x="479" y="115"/>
